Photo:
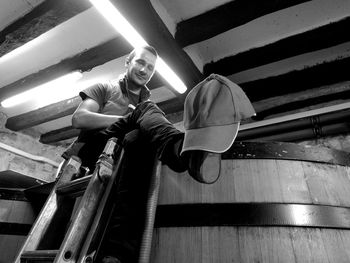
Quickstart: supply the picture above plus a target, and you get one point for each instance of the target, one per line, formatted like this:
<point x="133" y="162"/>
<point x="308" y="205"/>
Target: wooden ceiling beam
<point x="40" y="19"/>
<point x="288" y="83"/>
<point x="54" y="136"/>
<point x="298" y="80"/>
<point x="54" y="111"/>
<point x="59" y="135"/>
<point x="85" y="61"/>
<point x="276" y="105"/>
<point x="316" y="39"/>
<point x="226" y="17"/>
<point x="42" y="115"/>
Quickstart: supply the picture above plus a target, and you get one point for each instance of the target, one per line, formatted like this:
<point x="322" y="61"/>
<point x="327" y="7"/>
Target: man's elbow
<point x="77" y="121"/>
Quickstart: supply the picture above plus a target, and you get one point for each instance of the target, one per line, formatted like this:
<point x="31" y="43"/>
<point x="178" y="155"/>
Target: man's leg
<point x="126" y="226"/>
<point x="167" y="141"/>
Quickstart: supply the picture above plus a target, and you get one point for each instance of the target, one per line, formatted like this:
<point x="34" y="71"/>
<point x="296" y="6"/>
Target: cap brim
<point x="216" y="139"/>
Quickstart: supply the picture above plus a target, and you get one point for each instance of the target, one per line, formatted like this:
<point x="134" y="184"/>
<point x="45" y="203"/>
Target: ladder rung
<point x="75" y="187"/>
<point x="39" y="255"/>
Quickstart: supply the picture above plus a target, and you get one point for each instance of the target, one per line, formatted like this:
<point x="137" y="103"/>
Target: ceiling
<point x="291" y="57"/>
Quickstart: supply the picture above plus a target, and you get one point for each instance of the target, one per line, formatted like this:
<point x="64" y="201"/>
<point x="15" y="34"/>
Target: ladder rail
<point x="83" y="218"/>
<point x="97" y="230"/>
<point x="41" y="224"/>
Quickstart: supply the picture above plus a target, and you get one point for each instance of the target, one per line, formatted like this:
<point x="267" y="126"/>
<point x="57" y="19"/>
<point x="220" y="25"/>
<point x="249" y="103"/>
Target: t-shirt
<point x="113" y="98"/>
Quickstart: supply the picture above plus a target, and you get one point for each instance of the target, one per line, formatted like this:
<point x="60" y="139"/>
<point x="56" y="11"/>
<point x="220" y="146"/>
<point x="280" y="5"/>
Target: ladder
<point x="62" y="233"/>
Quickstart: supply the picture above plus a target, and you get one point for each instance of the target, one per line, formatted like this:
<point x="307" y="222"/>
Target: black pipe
<point x="305" y="134"/>
<point x="307" y="127"/>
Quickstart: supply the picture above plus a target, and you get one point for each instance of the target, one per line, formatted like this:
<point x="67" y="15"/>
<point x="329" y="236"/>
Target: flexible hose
<point x="152" y="200"/>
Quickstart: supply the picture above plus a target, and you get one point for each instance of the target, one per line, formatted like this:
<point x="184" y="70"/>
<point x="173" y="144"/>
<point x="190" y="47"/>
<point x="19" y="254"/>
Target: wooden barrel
<point x="274" y="202"/>
<point x="16" y="218"/>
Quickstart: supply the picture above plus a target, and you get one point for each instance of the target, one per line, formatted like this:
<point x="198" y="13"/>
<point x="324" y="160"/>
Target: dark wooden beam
<point x="59" y="135"/>
<point x="264" y="108"/>
<point x="145" y="19"/>
<point x="336" y="98"/>
<point x="42" y="115"/>
<point x="85" y="61"/>
<point x="56" y="110"/>
<point x="42" y="18"/>
<point x="319" y="38"/>
<point x="308" y="94"/>
<point x="54" y="136"/>
<point x="319" y="75"/>
<point x="226" y="17"/>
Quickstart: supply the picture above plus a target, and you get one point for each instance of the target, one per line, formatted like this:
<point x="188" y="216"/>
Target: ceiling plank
<point x="42" y="18"/>
<point x="226" y="17"/>
<point x="298" y="80"/>
<point x="308" y="94"/>
<point x="291" y="107"/>
<point x="315" y="39"/>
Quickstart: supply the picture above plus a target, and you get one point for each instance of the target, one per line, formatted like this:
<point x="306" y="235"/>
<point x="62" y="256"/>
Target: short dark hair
<point x="148" y="48"/>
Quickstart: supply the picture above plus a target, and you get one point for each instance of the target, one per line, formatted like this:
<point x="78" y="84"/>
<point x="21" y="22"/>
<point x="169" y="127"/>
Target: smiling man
<point x="105" y="103"/>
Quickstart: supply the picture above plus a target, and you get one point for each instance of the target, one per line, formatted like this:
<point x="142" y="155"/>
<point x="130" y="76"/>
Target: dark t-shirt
<point x="113" y="98"/>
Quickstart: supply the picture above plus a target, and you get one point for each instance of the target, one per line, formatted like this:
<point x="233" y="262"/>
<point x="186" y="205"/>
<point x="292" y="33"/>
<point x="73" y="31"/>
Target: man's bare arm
<point x="86" y="116"/>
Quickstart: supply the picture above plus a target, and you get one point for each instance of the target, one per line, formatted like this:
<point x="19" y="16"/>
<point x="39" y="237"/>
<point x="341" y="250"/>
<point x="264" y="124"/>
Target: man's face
<point x="141" y="67"/>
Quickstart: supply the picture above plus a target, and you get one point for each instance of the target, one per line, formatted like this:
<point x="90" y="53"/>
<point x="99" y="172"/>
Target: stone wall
<point x="28" y="145"/>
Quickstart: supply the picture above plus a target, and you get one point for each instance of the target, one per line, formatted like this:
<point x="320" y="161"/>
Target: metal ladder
<point x="80" y="225"/>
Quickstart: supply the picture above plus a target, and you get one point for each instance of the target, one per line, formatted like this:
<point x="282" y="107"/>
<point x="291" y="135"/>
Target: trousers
<point x="156" y="137"/>
<point x="161" y="136"/>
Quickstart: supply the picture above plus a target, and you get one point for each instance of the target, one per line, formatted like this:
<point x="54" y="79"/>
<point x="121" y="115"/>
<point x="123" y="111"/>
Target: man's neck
<point x="136" y="89"/>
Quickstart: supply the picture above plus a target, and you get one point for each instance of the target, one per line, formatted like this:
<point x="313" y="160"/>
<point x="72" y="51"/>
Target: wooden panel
<point x="258" y="180"/>
<point x="251" y="244"/>
<point x="9" y="247"/>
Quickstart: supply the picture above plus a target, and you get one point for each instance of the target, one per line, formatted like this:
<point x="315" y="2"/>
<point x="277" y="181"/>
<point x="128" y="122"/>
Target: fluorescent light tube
<point x="42" y="91"/>
<point x="116" y="19"/>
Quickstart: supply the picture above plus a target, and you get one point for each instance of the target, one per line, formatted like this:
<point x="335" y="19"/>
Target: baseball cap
<point x="212" y="114"/>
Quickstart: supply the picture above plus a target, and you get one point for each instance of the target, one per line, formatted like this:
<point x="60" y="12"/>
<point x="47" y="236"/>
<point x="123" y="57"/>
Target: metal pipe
<point x="152" y="200"/>
<point x="306" y="134"/>
<point x="311" y="127"/>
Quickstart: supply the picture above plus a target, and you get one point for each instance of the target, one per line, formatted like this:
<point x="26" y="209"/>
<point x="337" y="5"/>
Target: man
<point x="213" y="110"/>
<point x="105" y="103"/>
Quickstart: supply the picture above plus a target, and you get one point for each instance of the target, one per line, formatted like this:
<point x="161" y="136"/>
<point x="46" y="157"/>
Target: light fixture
<point x="43" y="90"/>
<point x="116" y="19"/>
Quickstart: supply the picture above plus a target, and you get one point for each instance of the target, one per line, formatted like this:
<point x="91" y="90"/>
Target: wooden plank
<point x="308" y="245"/>
<point x="297" y="80"/>
<point x="40" y="19"/>
<point x="227" y="16"/>
<point x="67" y="132"/>
<point x="334" y="90"/>
<point x="314" y="39"/>
<point x="9" y="247"/>
<point x="44" y="114"/>
<point x="59" y="135"/>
